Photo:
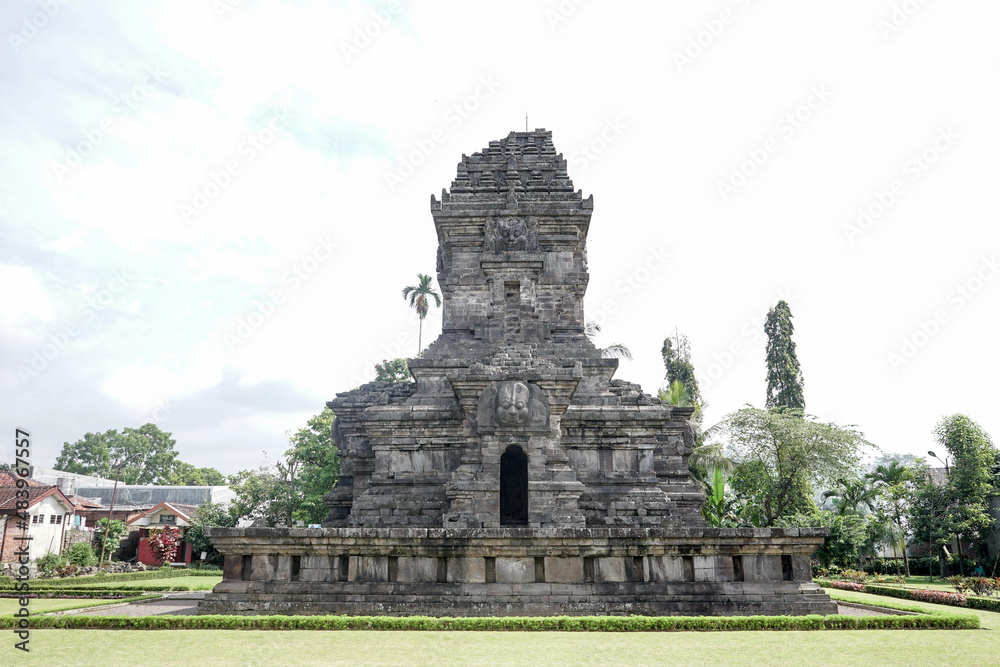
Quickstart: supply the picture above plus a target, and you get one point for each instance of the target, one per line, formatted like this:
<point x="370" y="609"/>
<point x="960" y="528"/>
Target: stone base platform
<point x="517" y="571"/>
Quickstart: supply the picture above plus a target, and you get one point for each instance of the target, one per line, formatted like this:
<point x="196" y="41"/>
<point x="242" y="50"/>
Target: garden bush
<point x="81" y="554"/>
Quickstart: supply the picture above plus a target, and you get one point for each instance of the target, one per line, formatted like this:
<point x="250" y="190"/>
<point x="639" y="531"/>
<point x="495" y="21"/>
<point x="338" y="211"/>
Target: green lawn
<point x="193" y="583"/>
<point x="234" y="647"/>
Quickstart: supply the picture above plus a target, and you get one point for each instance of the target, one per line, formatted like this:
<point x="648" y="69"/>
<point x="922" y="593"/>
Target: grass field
<point x="193" y="583"/>
<point x="234" y="647"/>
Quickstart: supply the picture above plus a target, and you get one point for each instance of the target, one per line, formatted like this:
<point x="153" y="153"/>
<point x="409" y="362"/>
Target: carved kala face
<point x="512" y="404"/>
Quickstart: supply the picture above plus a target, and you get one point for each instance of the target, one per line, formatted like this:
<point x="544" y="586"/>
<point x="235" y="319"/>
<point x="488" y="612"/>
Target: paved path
<point x="179" y="604"/>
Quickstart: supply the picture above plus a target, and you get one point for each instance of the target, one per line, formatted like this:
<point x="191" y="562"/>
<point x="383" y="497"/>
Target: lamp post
<point x="947" y="470"/>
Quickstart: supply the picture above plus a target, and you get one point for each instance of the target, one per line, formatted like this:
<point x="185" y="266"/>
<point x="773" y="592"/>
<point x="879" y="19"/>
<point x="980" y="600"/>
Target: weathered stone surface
<point x="514" y="475"/>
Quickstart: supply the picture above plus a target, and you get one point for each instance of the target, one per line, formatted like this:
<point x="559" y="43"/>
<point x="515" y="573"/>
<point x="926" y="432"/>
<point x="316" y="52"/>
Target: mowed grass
<point x="235" y="647"/>
<point x="193" y="583"/>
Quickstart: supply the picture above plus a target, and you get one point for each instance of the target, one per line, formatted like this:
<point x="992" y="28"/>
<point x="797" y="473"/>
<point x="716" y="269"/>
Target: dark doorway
<point x="514" y="487"/>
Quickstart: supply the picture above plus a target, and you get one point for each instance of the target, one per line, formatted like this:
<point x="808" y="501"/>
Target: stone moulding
<point x="517" y="571"/>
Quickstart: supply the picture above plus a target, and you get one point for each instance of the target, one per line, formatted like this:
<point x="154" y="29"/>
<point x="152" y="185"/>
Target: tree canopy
<point x="780" y="456"/>
<point x="148" y="454"/>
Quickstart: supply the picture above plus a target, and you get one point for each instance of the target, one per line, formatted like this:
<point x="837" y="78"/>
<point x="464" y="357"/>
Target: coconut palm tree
<point x="891" y="481"/>
<point x="419" y="296"/>
<point x="851" y="494"/>
<point x="613" y="351"/>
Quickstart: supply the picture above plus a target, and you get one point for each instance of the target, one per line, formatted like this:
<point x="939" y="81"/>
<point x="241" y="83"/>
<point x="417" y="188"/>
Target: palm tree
<point x="851" y="494"/>
<point x="890" y="480"/>
<point x="613" y="351"/>
<point x="419" y="296"/>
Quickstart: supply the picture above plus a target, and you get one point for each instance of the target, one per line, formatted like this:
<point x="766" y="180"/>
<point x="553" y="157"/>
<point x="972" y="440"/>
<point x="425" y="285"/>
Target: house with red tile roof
<point x="44" y="519"/>
<point x="163" y="515"/>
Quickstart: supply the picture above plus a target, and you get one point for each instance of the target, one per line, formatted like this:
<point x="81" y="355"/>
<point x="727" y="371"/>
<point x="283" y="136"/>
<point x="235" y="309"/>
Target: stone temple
<point x="514" y="475"/>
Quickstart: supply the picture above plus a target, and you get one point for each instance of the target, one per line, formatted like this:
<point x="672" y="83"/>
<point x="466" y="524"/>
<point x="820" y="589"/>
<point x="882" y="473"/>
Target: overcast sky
<point x="209" y="209"/>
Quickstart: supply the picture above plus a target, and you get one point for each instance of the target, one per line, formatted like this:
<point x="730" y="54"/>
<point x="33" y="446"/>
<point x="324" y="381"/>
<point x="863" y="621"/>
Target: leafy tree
<point x="676" y="353"/>
<point x="207" y="516"/>
<point x="779" y="455"/>
<point x="317" y="464"/>
<point x="784" y="377"/>
<point x="971" y="478"/>
<point x="264" y="496"/>
<point x="935" y="515"/>
<point x="419" y="296"/>
<point x="612" y="351"/>
<point x="148" y="453"/>
<point x="396" y="370"/>
<point x="846" y="542"/>
<point x="292" y="489"/>
<point x="185" y="474"/>
<point x="111" y="533"/>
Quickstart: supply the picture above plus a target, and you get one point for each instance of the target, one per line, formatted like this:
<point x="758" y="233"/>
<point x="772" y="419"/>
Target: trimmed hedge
<point x="101" y="591"/>
<point x="917" y="595"/>
<point x="520" y="624"/>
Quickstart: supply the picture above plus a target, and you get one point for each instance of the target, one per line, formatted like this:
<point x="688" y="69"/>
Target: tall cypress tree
<point x="784" y="377"/>
<point x="676" y="353"/>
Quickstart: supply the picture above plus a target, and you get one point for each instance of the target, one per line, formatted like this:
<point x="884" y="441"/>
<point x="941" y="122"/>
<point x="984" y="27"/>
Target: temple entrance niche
<point x="514" y="487"/>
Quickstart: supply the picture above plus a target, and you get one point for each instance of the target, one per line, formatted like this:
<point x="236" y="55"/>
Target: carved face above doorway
<point x="513" y="404"/>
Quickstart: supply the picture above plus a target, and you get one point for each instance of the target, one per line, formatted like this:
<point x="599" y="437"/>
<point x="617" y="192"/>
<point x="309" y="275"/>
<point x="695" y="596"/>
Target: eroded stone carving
<point x="513" y="405"/>
<point x="501" y="234"/>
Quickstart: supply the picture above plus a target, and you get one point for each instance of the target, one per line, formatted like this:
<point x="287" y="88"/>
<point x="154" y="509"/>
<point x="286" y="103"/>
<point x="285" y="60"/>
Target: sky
<point x="208" y="209"/>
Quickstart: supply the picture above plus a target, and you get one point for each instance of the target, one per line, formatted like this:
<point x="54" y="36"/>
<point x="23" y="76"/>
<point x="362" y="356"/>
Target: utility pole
<point x="107" y="528"/>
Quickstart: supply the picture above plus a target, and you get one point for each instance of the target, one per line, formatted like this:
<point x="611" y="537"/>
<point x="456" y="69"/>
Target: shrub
<point x="848" y="585"/>
<point x="81" y="554"/>
<point x="938" y="597"/>
<point x="163" y="543"/>
<point x="49" y="564"/>
<point x="975" y="585"/>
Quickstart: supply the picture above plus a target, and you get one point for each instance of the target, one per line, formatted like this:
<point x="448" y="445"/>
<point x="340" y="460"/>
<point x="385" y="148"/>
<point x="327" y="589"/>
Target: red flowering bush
<point x="938" y="597"/>
<point x="848" y="585"/>
<point x="163" y="543"/>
